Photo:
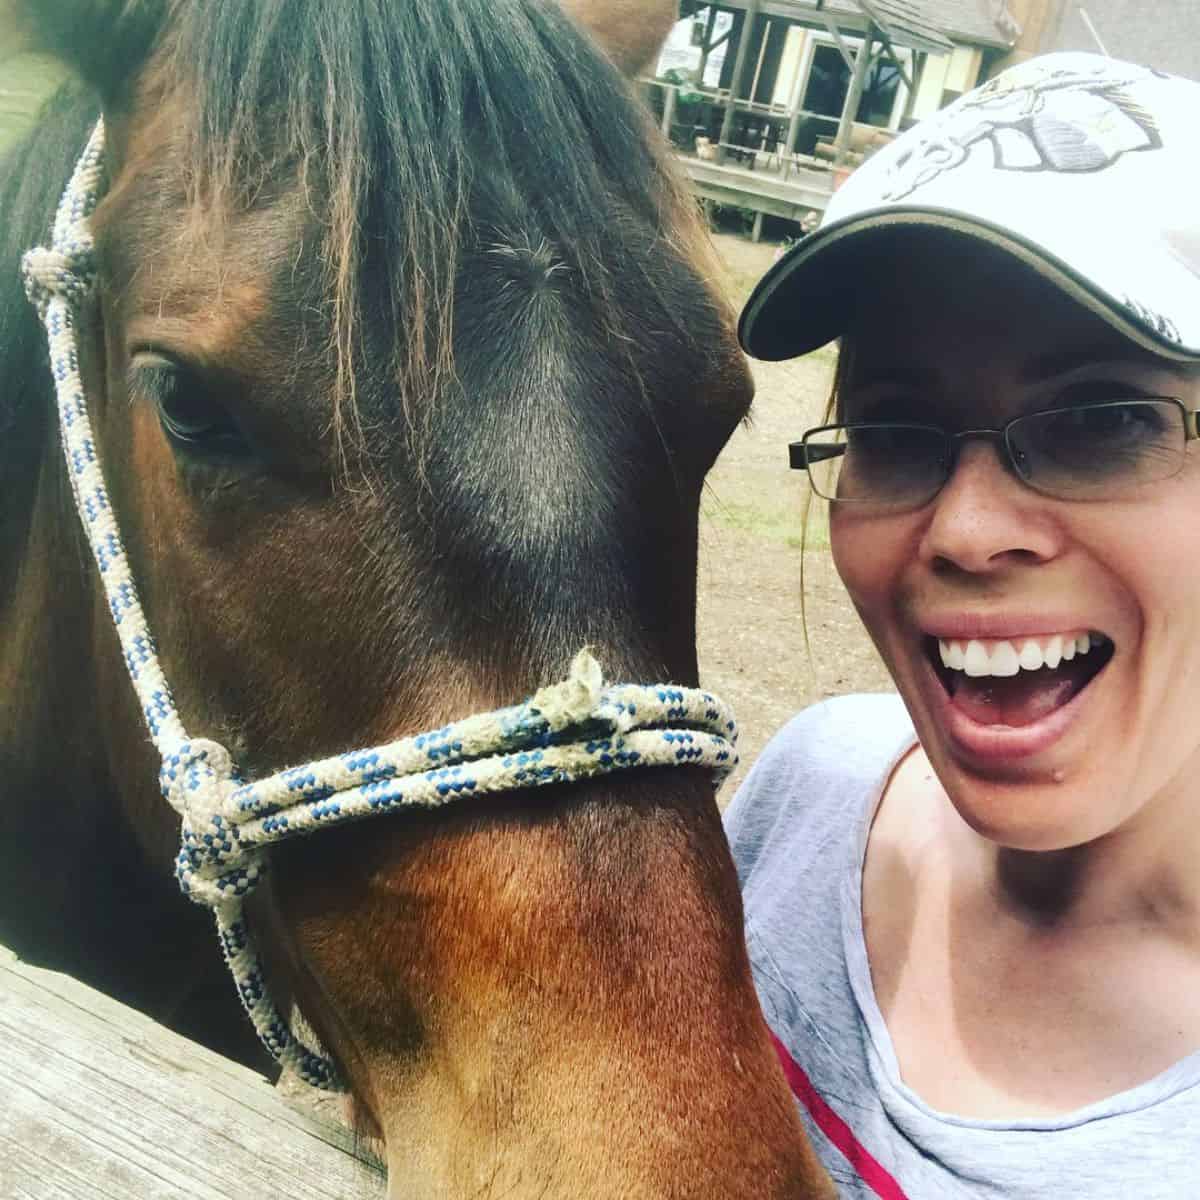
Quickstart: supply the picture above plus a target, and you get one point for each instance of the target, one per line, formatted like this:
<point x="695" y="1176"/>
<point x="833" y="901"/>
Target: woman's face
<point x="1050" y="757"/>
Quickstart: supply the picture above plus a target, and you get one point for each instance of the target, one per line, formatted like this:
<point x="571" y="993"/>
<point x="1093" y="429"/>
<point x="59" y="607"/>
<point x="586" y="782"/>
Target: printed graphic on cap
<point x="1153" y="319"/>
<point x="1038" y="116"/>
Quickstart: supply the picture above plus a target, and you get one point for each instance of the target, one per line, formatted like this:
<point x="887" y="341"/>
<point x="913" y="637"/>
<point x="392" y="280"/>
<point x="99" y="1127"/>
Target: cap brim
<point x="807" y="299"/>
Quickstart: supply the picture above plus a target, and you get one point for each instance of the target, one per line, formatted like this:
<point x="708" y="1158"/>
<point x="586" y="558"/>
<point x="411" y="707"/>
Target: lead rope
<point x="572" y="730"/>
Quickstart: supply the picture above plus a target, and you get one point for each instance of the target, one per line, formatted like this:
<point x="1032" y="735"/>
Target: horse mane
<point x="33" y="174"/>
<point x="394" y="117"/>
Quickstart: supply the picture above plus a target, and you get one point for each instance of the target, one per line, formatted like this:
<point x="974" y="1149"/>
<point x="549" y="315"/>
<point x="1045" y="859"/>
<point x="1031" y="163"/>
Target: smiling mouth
<point x="1017" y="682"/>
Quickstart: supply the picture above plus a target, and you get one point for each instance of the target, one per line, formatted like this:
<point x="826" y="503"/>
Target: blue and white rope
<point x="568" y="731"/>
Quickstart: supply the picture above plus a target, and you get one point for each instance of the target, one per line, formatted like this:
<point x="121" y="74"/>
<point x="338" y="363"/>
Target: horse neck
<point x="84" y="858"/>
<point x="54" y="757"/>
<point x="48" y="741"/>
<point x="86" y="842"/>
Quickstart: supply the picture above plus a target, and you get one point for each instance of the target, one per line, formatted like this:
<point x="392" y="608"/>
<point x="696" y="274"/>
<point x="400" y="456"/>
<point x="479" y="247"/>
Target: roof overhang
<point x="904" y="24"/>
<point x="900" y="22"/>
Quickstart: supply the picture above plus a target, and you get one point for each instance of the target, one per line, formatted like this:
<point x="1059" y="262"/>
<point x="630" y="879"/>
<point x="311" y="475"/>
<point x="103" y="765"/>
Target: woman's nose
<point x="985" y="518"/>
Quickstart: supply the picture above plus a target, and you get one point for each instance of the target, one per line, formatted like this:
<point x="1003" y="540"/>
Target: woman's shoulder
<point x="815" y="778"/>
<point x="832" y="749"/>
<point x="843" y="733"/>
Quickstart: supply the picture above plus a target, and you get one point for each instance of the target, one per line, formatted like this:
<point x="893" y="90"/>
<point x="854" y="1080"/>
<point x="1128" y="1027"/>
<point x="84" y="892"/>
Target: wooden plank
<point x="98" y="1101"/>
<point x="760" y="191"/>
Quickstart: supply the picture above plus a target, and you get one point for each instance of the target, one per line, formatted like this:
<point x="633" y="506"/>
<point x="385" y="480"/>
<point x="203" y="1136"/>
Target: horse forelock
<point x="394" y="122"/>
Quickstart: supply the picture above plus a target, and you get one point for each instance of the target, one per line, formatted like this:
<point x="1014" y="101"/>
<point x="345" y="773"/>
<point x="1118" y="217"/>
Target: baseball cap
<point x="1082" y="167"/>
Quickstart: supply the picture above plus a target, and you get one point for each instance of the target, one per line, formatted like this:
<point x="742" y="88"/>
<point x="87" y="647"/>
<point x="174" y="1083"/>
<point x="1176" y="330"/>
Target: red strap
<point x="869" y="1169"/>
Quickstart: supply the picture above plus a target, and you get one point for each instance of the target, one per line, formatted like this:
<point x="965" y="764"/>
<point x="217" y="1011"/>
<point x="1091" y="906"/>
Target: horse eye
<point x="192" y="419"/>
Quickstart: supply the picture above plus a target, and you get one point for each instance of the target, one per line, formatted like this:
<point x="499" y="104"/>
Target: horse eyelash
<point x="147" y="381"/>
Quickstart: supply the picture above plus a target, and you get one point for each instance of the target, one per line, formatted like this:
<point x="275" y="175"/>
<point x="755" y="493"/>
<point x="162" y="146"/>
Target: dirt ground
<point x="752" y="650"/>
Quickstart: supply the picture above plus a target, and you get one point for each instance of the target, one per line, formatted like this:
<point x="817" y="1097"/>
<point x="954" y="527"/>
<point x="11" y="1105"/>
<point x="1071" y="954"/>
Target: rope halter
<point x="568" y="731"/>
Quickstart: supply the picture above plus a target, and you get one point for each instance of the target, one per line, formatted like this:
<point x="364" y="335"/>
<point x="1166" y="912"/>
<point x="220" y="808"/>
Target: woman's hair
<point x="832" y="412"/>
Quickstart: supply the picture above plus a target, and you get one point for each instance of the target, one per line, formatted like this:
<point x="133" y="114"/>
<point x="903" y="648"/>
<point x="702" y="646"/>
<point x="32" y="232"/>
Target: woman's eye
<point x="192" y="419"/>
<point x="1125" y="421"/>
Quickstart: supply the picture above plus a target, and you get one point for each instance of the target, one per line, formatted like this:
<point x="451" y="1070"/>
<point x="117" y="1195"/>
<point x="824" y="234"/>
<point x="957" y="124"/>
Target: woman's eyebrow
<point x="1061" y="362"/>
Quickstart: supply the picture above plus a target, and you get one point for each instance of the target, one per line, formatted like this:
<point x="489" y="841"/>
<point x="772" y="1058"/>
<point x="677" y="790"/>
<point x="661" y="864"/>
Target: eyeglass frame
<point x="799" y="458"/>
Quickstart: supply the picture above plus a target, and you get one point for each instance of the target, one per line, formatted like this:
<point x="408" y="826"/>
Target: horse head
<point x="405" y="373"/>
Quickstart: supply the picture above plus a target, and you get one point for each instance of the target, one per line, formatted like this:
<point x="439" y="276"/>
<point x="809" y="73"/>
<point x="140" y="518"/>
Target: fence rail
<point x="99" y="1102"/>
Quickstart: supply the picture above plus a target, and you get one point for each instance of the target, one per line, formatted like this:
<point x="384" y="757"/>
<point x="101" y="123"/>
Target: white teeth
<point x="1031" y="657"/>
<point x="1005" y="658"/>
<point x="977" y="661"/>
<point x="1052" y="652"/>
<point x="952" y="655"/>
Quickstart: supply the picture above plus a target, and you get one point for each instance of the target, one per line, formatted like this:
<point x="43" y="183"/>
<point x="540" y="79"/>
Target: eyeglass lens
<point x="1095" y="449"/>
<point x="1083" y="451"/>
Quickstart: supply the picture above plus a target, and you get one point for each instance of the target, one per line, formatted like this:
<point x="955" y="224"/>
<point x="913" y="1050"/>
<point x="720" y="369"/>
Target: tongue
<point x="1018" y="699"/>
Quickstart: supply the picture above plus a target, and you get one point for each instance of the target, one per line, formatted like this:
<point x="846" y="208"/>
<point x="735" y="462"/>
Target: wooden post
<point x="762" y="53"/>
<point x="918" y="72"/>
<point x="668" y="116"/>
<point x="799" y="87"/>
<point x="853" y="95"/>
<point x="739" y="67"/>
<point x="793" y="129"/>
<point x="707" y="47"/>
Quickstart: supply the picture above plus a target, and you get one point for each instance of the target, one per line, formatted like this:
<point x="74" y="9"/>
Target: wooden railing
<point x="97" y="1102"/>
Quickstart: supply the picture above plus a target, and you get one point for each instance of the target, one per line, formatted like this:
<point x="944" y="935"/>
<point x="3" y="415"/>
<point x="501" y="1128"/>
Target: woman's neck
<point x="1142" y="874"/>
<point x="998" y="971"/>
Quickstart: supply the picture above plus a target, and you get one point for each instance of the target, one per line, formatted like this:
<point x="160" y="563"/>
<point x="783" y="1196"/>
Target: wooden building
<point x="779" y="99"/>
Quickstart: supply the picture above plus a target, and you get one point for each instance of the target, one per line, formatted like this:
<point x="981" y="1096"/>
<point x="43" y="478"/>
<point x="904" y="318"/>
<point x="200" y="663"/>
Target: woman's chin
<point x="1032" y="787"/>
<point x="1032" y="817"/>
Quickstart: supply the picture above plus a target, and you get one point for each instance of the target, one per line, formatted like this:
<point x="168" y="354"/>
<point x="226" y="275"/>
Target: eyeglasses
<point x="1084" y="452"/>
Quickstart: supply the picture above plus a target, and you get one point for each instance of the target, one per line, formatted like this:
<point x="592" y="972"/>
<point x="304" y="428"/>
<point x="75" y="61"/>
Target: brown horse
<point x="405" y="380"/>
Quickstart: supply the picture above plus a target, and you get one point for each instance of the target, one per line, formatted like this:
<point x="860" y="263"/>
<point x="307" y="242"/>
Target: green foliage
<point x="775" y="524"/>
<point x="689" y="94"/>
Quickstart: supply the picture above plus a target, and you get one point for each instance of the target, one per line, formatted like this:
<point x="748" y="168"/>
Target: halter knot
<point x="67" y="271"/>
<point x="198" y="779"/>
<point x="576" y="698"/>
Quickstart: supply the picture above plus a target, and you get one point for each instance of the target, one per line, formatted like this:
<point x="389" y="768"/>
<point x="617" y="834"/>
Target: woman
<point x="974" y="909"/>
